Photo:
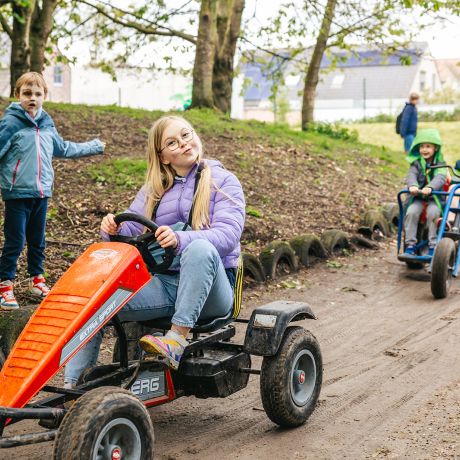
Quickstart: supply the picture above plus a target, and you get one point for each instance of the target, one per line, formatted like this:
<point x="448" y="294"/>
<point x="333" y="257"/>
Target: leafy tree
<point x="132" y="27"/>
<point x="28" y="23"/>
<point x="335" y="28"/>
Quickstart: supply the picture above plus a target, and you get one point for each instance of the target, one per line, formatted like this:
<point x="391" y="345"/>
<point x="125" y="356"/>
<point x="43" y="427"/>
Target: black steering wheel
<point x="157" y="259"/>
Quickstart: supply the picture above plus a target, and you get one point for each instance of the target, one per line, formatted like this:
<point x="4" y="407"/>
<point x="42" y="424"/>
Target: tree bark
<point x="20" y="50"/>
<point x="312" y="77"/>
<point x="41" y="27"/>
<point x="229" y="13"/>
<point x="204" y="56"/>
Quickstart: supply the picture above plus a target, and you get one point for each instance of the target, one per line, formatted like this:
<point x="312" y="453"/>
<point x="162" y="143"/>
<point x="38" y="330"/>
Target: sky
<point x="443" y="38"/>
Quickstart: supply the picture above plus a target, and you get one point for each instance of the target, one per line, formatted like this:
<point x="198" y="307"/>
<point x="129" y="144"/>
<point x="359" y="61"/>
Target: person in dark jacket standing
<point x="28" y="142"/>
<point x="409" y="120"/>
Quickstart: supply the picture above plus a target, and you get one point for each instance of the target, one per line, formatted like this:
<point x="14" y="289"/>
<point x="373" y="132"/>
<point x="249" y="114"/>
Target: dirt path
<point x="391" y="376"/>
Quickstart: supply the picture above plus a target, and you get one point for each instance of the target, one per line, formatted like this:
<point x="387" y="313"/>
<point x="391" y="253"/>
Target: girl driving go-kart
<point x="199" y="207"/>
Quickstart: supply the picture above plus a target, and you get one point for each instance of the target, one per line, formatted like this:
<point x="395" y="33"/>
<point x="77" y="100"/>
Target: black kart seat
<point x="208" y="324"/>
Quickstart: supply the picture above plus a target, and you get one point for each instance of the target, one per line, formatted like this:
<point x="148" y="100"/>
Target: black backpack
<point x="398" y="122"/>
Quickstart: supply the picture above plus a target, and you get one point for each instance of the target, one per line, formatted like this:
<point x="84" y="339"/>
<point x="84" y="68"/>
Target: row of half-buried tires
<point x="280" y="258"/>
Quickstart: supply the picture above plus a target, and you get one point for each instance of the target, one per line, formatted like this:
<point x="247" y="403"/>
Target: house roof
<point x="448" y="69"/>
<point x="380" y="73"/>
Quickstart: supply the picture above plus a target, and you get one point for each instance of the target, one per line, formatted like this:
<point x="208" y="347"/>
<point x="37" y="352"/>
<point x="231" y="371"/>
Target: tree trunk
<point x="312" y="77"/>
<point x="229" y="13"/>
<point x="204" y="56"/>
<point x="41" y="26"/>
<point x="20" y="51"/>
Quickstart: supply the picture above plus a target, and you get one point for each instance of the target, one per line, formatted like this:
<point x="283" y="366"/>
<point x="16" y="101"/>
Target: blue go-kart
<point x="444" y="264"/>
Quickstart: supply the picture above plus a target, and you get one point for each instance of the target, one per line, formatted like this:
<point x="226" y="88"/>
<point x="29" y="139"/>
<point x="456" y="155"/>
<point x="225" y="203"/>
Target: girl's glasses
<point x="173" y="144"/>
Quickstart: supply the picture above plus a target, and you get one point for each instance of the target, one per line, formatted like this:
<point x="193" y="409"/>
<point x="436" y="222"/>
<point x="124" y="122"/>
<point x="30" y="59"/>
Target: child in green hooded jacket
<point x="421" y="182"/>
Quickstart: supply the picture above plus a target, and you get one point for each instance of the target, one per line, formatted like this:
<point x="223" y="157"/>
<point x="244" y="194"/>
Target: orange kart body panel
<point x="91" y="291"/>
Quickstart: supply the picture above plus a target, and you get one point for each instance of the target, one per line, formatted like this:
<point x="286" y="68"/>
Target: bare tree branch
<point x="166" y="32"/>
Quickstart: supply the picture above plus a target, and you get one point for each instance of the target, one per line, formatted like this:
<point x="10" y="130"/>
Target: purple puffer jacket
<point x="226" y="215"/>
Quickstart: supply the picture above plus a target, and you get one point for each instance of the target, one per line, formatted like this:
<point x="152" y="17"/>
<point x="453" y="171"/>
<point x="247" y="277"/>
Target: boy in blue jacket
<point x="28" y="142"/>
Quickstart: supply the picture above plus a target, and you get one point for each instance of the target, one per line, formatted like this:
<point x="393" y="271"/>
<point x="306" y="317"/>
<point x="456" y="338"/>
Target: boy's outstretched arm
<point x="67" y="149"/>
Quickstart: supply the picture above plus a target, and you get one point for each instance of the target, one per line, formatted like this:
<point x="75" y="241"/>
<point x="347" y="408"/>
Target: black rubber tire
<point x="308" y="248"/>
<point x="275" y="257"/>
<point x="2" y="359"/>
<point x="335" y="241"/>
<point x="442" y="267"/>
<point x="414" y="265"/>
<point x="391" y="213"/>
<point x="252" y="268"/>
<point x="134" y="331"/>
<point x="359" y="240"/>
<point x="92" y="413"/>
<point x="276" y="379"/>
<point x="376" y="221"/>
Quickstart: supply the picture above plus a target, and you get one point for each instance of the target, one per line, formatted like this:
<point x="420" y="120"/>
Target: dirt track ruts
<point x="391" y="376"/>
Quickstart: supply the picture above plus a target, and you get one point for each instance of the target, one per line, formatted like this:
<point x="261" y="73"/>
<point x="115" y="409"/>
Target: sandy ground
<point x="391" y="375"/>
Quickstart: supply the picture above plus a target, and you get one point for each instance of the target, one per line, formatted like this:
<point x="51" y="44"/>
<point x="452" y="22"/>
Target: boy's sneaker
<point x="171" y="347"/>
<point x="410" y="250"/>
<point x="431" y="250"/>
<point x="7" y="298"/>
<point x="38" y="287"/>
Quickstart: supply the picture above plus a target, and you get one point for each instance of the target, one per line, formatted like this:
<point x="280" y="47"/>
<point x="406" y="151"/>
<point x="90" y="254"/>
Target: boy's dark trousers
<point x="25" y="220"/>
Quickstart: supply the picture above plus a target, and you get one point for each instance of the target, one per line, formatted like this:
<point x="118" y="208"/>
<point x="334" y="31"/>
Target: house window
<point x="422" y="80"/>
<point x="337" y="81"/>
<point x="58" y="77"/>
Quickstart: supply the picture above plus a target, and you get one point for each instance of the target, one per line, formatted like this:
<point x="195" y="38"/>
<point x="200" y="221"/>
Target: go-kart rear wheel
<point x="104" y="424"/>
<point x="290" y="381"/>
<point x="442" y="268"/>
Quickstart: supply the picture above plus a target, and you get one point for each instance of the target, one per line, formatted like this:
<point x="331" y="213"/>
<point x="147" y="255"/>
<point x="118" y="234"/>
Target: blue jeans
<point x="25" y="220"/>
<point x="201" y="289"/>
<point x="408" y="139"/>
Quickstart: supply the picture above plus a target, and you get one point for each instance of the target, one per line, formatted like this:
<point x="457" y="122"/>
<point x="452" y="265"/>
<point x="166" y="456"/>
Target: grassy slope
<point x="384" y="134"/>
<point x="294" y="182"/>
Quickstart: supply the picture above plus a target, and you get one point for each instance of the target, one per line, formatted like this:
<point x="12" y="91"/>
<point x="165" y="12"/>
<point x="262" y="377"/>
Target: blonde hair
<point x="30" y="78"/>
<point x="160" y="177"/>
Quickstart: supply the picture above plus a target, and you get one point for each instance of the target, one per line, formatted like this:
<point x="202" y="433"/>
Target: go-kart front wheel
<point x="290" y="381"/>
<point x="442" y="267"/>
<point x="104" y="424"/>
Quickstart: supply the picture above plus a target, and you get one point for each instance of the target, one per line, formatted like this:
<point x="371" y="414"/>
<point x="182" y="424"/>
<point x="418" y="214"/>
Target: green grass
<point x="383" y="134"/>
<point x="120" y="172"/>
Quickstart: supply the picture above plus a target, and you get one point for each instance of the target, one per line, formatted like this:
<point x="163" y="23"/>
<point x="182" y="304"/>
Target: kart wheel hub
<point x="116" y="454"/>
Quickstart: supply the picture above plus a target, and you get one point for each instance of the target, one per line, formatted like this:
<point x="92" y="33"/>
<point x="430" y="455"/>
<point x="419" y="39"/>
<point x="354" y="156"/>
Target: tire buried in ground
<point x="391" y="213"/>
<point x="376" y="221"/>
<point x="253" y="271"/>
<point x="308" y="248"/>
<point x="363" y="242"/>
<point x="335" y="241"/>
<point x="278" y="259"/>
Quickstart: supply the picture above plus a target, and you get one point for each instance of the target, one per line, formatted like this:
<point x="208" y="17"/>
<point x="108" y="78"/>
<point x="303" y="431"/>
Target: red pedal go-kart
<point x="105" y="416"/>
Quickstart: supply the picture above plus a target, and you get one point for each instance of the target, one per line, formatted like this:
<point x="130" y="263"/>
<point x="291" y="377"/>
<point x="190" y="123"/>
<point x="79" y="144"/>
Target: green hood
<point x="426" y="136"/>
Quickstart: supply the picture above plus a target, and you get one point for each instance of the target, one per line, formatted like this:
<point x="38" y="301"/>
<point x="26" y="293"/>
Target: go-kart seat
<point x="208" y="324"/>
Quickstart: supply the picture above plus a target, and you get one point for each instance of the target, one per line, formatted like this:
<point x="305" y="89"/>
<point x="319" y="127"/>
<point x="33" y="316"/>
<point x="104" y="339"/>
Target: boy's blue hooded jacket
<point x="27" y="147"/>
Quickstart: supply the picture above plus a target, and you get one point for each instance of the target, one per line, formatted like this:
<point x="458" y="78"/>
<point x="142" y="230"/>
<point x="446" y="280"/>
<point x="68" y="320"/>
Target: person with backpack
<point x="406" y="122"/>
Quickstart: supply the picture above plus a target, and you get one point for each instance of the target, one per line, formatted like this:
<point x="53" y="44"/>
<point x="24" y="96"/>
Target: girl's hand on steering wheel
<point x="166" y="237"/>
<point x="108" y="225"/>
<point x="414" y="190"/>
